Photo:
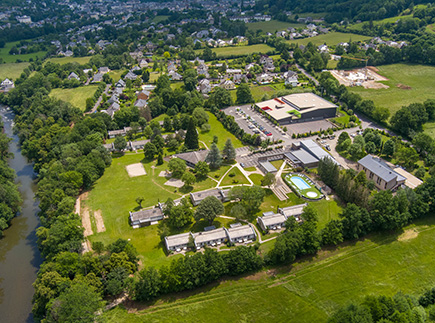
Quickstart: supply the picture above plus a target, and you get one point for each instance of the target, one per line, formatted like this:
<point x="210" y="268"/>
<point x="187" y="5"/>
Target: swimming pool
<point x="299" y="182"/>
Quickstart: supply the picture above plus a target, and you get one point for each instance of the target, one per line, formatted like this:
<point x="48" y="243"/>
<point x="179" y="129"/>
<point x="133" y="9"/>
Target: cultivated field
<point x="12" y="70"/>
<point x="330" y="39"/>
<point x="309" y="291"/>
<point x="7" y="58"/>
<point x="272" y="26"/>
<point x="76" y="96"/>
<point x="407" y="84"/>
<point x="66" y="60"/>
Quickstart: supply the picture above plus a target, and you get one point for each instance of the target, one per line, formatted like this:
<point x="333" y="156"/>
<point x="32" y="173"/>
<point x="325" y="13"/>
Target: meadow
<point x="330" y="39"/>
<point x="272" y="26"/>
<point x="418" y="78"/>
<point x="66" y="60"/>
<point x="7" y="58"/>
<point x="308" y="291"/>
<point x="12" y="70"/>
<point x="76" y="96"/>
<point x="240" y="50"/>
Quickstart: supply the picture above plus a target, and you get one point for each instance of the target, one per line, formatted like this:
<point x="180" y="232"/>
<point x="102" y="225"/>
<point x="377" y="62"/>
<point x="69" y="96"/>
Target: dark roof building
<point x="222" y="195"/>
<point x="193" y="157"/>
<point x="146" y="217"/>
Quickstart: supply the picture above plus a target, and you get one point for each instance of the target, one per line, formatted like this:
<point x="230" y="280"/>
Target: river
<point x="19" y="256"/>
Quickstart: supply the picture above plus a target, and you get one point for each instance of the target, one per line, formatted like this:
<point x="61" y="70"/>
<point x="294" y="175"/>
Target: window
<point x="371" y="175"/>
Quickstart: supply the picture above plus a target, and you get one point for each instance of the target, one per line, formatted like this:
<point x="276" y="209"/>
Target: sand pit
<point x="408" y="235"/>
<point x="99" y="221"/>
<point x="86" y="222"/>
<point x="174" y="183"/>
<point x="134" y="170"/>
<point x="164" y="173"/>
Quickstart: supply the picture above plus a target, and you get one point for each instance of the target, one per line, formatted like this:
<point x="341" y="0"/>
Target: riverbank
<point x="19" y="255"/>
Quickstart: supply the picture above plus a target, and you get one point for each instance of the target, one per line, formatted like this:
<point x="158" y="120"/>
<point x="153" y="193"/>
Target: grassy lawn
<point x="390" y="20"/>
<point x="217" y="129"/>
<point x="66" y="60"/>
<point x="256" y="178"/>
<point x="12" y="70"/>
<point x="238" y="178"/>
<point x="277" y="163"/>
<point x="429" y="128"/>
<point x="116" y="74"/>
<point x="76" y="96"/>
<point x="312" y="289"/>
<point x="7" y="58"/>
<point x="115" y="194"/>
<point x="418" y="77"/>
<point x="272" y="26"/>
<point x="241" y="50"/>
<point x="251" y="169"/>
<point x="158" y="19"/>
<point x="331" y="39"/>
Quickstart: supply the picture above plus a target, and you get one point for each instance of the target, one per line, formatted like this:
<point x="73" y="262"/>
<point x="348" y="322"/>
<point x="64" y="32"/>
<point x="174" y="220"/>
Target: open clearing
<point x="240" y="50"/>
<point x="7" y="58"/>
<point x="272" y="26"/>
<point x="330" y="39"/>
<point x="12" y="70"/>
<point x="66" y="60"/>
<point x="309" y="291"/>
<point x="77" y="96"/>
<point x="174" y="182"/>
<point x="370" y="78"/>
<point x="419" y="78"/>
<point x="135" y="170"/>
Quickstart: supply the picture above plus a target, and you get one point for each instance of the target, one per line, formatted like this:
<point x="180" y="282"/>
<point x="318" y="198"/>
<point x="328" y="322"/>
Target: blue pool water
<point x="300" y="183"/>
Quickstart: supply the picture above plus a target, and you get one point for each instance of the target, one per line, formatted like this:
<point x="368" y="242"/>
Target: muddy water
<point x="19" y="255"/>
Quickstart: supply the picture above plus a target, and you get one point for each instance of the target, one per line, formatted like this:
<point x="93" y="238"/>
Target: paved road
<point x="97" y="104"/>
<point x="307" y="74"/>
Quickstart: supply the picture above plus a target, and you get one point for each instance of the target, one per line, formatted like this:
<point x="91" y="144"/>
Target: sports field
<point x="309" y="291"/>
<point x="7" y="58"/>
<point x="330" y="39"/>
<point x="407" y="84"/>
<point x="12" y="70"/>
<point x="272" y="26"/>
<point x="76" y="96"/>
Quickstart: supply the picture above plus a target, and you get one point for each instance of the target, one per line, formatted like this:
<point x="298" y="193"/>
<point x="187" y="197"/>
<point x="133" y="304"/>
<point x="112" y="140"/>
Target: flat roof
<point x="240" y="231"/>
<point x="281" y="108"/>
<point x="146" y="215"/>
<point x="207" y="236"/>
<point x="203" y="194"/>
<point x="303" y="156"/>
<point x="315" y="150"/>
<point x="178" y="239"/>
<point x="268" y="166"/>
<point x="411" y="181"/>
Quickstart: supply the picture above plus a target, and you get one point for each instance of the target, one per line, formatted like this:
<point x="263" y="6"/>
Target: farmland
<point x="416" y="85"/>
<point x="330" y="39"/>
<point x="76" y="96"/>
<point x="12" y="70"/>
<point x="272" y="26"/>
<point x="312" y="289"/>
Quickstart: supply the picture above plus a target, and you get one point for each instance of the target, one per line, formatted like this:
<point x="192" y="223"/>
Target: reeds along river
<point x="19" y="256"/>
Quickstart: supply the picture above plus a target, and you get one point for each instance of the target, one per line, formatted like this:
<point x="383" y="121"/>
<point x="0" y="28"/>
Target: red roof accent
<point x="266" y="108"/>
<point x="279" y="100"/>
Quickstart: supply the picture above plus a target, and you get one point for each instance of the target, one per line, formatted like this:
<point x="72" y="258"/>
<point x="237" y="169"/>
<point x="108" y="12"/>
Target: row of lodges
<point x="211" y="237"/>
<point x="276" y="221"/>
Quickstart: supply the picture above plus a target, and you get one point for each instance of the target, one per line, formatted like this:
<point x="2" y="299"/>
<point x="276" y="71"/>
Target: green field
<point x="240" y="50"/>
<point x="272" y="26"/>
<point x="219" y="131"/>
<point x="76" y="96"/>
<point x="158" y="19"/>
<point x="331" y="39"/>
<point x="7" y="58"/>
<point x="66" y="60"/>
<point x="237" y="178"/>
<point x="310" y="290"/>
<point x="419" y="77"/>
<point x="12" y="70"/>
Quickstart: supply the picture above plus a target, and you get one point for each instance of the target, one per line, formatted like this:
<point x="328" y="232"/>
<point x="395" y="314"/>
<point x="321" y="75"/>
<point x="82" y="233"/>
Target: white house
<point x="7" y="85"/>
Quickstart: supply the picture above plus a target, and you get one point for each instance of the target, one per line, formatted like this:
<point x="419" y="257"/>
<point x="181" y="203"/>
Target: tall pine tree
<point x="191" y="140"/>
<point x="229" y="152"/>
<point x="214" y="157"/>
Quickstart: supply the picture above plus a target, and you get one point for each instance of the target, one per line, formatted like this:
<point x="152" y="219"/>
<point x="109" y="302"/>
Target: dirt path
<point x="99" y="221"/>
<point x="86" y="222"/>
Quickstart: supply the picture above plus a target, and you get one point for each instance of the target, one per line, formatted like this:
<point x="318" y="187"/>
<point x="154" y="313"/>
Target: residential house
<point x="210" y="238"/>
<point x="179" y="242"/>
<point x="146" y="217"/>
<point x="231" y="71"/>
<point x="238" y="233"/>
<point x="7" y="85"/>
<point x="197" y="197"/>
<point x="97" y="78"/>
<point x="382" y="174"/>
<point x="143" y="63"/>
<point x="136" y="54"/>
<point x="120" y="84"/>
<point x="174" y="76"/>
<point x="204" y="86"/>
<point x="143" y="95"/>
<point x="130" y="76"/>
<point x="140" y="103"/>
<point x="227" y="84"/>
<point x="73" y="76"/>
<point x="202" y="70"/>
<point x="103" y="70"/>
<point x="294" y="211"/>
<point x="239" y="78"/>
<point x="264" y="78"/>
<point x="68" y="53"/>
<point x="138" y="144"/>
<point x="291" y="78"/>
<point x="323" y="48"/>
<point x="112" y="109"/>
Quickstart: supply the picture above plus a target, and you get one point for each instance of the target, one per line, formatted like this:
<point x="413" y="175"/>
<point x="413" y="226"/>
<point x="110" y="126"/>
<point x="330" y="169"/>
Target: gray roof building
<point x="267" y="167"/>
<point x="302" y="158"/>
<point x="212" y="237"/>
<point x="221" y="195"/>
<point x="193" y="157"/>
<point x="380" y="172"/>
<point x="146" y="217"/>
<point x="271" y="221"/>
<point x="178" y="242"/>
<point x="294" y="210"/>
<point x="241" y="233"/>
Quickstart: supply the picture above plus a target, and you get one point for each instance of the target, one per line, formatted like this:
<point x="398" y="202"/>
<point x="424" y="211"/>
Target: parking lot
<point x="253" y="122"/>
<point x="312" y="126"/>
